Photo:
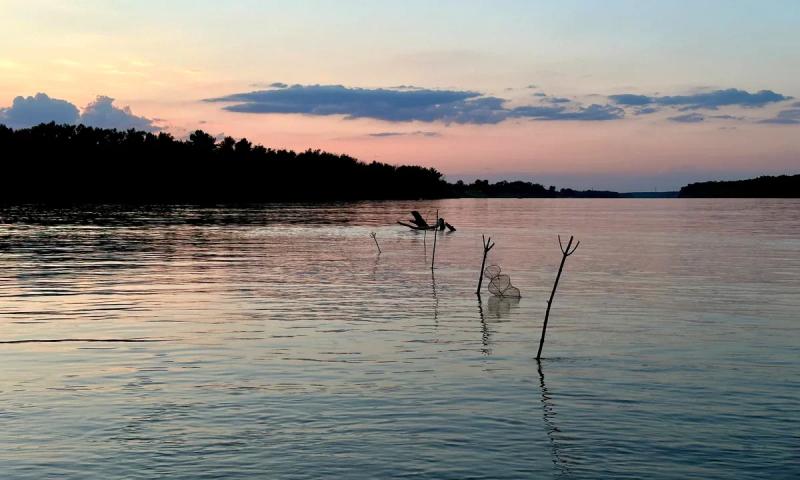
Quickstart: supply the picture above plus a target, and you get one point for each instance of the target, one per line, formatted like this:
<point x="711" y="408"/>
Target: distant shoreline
<point x="783" y="186"/>
<point x="52" y="164"/>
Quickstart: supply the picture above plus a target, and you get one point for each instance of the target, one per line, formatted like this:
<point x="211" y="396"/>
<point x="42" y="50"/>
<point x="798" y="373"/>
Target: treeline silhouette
<point x="78" y="164"/>
<point x="52" y="163"/>
<point x="783" y="186"/>
<point x="519" y="189"/>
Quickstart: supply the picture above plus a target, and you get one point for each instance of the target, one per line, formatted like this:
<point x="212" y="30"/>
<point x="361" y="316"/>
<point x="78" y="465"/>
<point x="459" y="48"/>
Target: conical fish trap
<point x="491" y="271"/>
<point x="500" y="284"/>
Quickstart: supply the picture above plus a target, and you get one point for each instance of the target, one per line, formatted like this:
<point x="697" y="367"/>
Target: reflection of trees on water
<point x="548" y="416"/>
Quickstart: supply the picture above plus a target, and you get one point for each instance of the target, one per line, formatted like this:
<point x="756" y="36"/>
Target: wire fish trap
<point x="500" y="283"/>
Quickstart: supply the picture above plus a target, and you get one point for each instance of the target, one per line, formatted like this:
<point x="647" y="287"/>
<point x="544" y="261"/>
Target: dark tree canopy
<point x="65" y="163"/>
<point x="783" y="186"/>
<point x="52" y="163"/>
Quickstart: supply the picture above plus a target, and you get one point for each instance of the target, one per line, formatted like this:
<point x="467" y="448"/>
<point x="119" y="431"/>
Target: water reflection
<point x="287" y="346"/>
<point x="549" y="417"/>
<point x="485" y="334"/>
<point x="80" y="340"/>
<point x="375" y="267"/>
<point x="500" y="307"/>
<point x="435" y="299"/>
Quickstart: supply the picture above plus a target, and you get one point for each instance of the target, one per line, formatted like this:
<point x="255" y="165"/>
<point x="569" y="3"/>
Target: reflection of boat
<point x="419" y="223"/>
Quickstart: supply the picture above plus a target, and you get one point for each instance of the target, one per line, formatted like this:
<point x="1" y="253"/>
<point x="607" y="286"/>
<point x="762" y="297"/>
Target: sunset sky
<point x="624" y="95"/>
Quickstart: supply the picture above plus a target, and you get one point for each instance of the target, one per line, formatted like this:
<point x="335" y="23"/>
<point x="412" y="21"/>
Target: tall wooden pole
<point x="565" y="252"/>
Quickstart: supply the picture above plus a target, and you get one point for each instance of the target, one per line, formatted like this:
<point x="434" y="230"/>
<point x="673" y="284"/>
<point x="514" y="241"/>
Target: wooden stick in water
<point x="486" y="248"/>
<point x="565" y="252"/>
<point x="375" y="237"/>
<point x="435" y="234"/>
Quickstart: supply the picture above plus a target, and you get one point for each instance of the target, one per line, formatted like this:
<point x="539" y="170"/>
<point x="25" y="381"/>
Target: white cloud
<point x="29" y="111"/>
<point x="102" y="113"/>
<point x="40" y="108"/>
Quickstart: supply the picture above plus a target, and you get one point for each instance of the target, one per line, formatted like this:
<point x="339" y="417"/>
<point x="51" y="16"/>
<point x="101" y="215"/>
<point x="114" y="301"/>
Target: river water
<point x="275" y="342"/>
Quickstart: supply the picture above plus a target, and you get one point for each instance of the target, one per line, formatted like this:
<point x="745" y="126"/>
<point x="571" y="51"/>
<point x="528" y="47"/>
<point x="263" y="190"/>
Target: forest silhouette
<point x="782" y="186"/>
<point x="52" y="163"/>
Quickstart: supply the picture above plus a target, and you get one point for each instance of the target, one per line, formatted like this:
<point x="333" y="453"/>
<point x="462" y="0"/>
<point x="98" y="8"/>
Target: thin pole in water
<point x="375" y="237"/>
<point x="565" y="252"/>
<point x="486" y="248"/>
<point x="435" y="231"/>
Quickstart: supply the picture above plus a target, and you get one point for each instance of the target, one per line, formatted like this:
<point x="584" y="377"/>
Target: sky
<point x="636" y="95"/>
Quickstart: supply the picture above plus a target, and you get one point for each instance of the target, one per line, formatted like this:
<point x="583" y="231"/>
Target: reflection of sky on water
<point x="292" y="347"/>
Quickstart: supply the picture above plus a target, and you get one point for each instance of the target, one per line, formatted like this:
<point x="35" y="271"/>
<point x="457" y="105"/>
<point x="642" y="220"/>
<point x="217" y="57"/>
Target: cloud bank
<point x="790" y="116"/>
<point x="102" y="113"/>
<point x="418" y="133"/>
<point x="688" y="118"/>
<point x="29" y="111"/>
<point x="592" y="112"/>
<point x="706" y="100"/>
<point x="406" y="105"/>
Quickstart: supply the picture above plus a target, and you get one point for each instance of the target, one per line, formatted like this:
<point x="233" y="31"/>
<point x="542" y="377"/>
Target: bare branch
<point x="574" y="248"/>
<point x="566" y="252"/>
<point x="487" y="245"/>
<point x="375" y="237"/>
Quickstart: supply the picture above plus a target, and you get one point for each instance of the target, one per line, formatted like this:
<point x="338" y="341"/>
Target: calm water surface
<point x="275" y="343"/>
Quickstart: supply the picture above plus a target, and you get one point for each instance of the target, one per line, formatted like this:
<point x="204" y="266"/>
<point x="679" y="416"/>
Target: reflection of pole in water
<point x="435" y="299"/>
<point x="425" y="244"/>
<point x="484" y="329"/>
<point x="548" y="415"/>
<point x="497" y="308"/>
<point x="435" y="232"/>
<point x="375" y="267"/>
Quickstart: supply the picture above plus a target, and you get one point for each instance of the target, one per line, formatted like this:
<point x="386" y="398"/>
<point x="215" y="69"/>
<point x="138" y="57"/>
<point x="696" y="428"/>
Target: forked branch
<point x="487" y="245"/>
<point x="375" y="237"/>
<point x="565" y="252"/>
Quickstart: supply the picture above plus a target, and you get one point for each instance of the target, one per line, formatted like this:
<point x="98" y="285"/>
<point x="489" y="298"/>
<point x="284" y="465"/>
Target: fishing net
<point x="500" y="284"/>
<point x="491" y="271"/>
<point x="512" y="292"/>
